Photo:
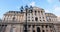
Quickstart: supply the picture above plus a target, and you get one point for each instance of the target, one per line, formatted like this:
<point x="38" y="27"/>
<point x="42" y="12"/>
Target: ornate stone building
<point x="37" y="21"/>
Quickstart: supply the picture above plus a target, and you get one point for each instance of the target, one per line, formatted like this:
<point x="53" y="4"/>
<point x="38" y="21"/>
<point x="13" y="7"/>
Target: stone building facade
<point x="37" y="21"/>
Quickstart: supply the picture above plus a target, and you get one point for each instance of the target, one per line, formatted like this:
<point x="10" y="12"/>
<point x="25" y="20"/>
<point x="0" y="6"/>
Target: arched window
<point x="38" y="12"/>
<point x="36" y="19"/>
<point x="38" y="29"/>
<point x="35" y="11"/>
<point x="42" y="12"/>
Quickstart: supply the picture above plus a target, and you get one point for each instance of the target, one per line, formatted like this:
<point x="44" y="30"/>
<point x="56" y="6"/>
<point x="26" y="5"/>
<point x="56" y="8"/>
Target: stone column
<point x="56" y="28"/>
<point x="3" y="29"/>
<point x="8" y="28"/>
<point x="31" y="28"/>
<point x="49" y="29"/>
<point x="35" y="29"/>
<point x="44" y="28"/>
<point x="41" y="28"/>
<point x="21" y="28"/>
<point x="18" y="28"/>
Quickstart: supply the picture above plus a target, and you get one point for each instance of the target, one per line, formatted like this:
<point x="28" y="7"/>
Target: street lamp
<point x="21" y="9"/>
<point x="30" y="11"/>
<point x="26" y="30"/>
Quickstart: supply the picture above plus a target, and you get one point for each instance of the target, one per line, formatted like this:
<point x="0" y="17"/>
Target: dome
<point x="35" y="7"/>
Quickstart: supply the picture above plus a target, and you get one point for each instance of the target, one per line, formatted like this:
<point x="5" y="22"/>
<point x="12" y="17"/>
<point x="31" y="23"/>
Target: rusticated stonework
<point x="37" y="21"/>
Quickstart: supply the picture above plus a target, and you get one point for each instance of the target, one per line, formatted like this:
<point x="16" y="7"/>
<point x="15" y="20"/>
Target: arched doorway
<point x="38" y="29"/>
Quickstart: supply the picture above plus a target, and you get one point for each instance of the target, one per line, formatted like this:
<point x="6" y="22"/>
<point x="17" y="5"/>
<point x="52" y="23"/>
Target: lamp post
<point x="26" y="8"/>
<point x="30" y="11"/>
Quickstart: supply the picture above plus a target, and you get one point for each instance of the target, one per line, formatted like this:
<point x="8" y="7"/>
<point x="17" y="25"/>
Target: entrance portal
<point x="38" y="29"/>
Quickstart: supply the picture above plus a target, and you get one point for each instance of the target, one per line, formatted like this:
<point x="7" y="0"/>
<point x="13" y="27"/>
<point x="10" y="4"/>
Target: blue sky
<point x="50" y="6"/>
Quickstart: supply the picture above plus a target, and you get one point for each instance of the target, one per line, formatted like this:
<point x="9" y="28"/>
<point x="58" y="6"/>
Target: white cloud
<point x="46" y="10"/>
<point x="32" y="3"/>
<point x="56" y="10"/>
<point x="50" y="1"/>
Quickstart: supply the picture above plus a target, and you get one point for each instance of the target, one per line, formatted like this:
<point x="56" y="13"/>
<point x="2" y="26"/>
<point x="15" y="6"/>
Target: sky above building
<point x="50" y="6"/>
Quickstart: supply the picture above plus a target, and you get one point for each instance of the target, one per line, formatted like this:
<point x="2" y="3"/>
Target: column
<point x="3" y="29"/>
<point x="31" y="29"/>
<point x="35" y="28"/>
<point x="41" y="28"/>
<point x="17" y="28"/>
<point x="8" y="28"/>
<point x="44" y="28"/>
<point x="49" y="29"/>
<point x="21" y="28"/>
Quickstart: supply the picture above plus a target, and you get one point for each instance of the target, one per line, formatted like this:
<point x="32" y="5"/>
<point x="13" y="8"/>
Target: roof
<point x="9" y="12"/>
<point x="50" y="15"/>
<point x="38" y="7"/>
<point x="18" y="12"/>
<point x="14" y="12"/>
